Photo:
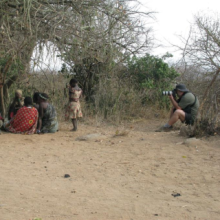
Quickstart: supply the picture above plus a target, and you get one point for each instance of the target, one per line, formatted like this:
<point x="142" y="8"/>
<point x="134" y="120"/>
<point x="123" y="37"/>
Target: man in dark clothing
<point x="184" y="109"/>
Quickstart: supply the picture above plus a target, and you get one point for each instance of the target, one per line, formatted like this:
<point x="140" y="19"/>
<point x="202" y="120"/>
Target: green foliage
<point x="152" y="74"/>
<point x="14" y="69"/>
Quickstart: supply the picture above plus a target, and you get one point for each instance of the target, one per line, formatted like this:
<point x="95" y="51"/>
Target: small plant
<point x="121" y="133"/>
<point x="206" y="127"/>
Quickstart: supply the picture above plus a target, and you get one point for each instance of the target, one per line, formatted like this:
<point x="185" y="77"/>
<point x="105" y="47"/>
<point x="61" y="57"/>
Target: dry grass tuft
<point x="121" y="133"/>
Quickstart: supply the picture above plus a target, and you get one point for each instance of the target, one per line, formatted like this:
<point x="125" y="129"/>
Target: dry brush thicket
<point x="101" y="31"/>
<point x="201" y="56"/>
<point x="94" y="38"/>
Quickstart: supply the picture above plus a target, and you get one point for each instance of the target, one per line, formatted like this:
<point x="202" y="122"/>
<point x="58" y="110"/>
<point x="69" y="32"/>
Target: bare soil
<point x="128" y="172"/>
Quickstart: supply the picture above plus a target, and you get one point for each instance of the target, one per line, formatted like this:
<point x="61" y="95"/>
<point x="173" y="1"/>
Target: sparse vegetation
<point x="101" y="43"/>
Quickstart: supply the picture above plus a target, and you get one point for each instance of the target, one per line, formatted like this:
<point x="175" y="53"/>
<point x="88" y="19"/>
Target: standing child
<point x="74" y="109"/>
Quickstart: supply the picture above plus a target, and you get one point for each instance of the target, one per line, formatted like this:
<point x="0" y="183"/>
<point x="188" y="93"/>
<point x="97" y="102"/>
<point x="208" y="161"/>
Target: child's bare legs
<point x="74" y="121"/>
<point x="178" y="114"/>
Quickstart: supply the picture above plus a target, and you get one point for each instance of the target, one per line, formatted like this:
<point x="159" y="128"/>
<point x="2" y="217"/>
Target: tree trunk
<point x="2" y="103"/>
<point x="5" y="83"/>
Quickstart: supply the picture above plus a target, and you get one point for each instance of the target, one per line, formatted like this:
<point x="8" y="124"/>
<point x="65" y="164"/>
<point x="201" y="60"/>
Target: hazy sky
<point x="174" y="17"/>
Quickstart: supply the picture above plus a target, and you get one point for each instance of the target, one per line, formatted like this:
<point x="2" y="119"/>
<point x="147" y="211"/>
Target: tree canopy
<point x="103" y="31"/>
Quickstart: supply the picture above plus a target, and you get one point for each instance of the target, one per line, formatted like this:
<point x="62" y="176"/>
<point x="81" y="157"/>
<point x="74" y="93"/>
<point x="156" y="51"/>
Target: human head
<point x="36" y="97"/>
<point x="43" y="97"/>
<point x="73" y="82"/>
<point x="28" y="101"/>
<point x="18" y="93"/>
<point x="181" y="89"/>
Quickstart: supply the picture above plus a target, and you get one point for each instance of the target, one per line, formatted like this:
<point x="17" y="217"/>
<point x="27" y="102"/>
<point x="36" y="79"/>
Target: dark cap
<point x="181" y="87"/>
<point x="28" y="101"/>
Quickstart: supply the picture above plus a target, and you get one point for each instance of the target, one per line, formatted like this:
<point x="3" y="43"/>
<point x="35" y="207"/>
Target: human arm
<point x="40" y="116"/>
<point x="174" y="102"/>
<point x="81" y="94"/>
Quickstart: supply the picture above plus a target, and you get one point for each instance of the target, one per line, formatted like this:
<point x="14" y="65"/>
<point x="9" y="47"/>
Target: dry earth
<point x="128" y="172"/>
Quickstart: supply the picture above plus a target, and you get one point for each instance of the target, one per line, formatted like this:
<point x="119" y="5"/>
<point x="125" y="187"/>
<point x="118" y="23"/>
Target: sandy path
<point x="111" y="178"/>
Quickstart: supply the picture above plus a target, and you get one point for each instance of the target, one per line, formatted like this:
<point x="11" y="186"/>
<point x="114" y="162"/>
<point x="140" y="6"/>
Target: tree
<point x="202" y="49"/>
<point x="103" y="30"/>
<point x="23" y="23"/>
<point x="106" y="36"/>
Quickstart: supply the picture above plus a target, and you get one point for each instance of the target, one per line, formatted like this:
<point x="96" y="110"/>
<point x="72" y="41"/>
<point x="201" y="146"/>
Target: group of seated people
<point x="27" y="116"/>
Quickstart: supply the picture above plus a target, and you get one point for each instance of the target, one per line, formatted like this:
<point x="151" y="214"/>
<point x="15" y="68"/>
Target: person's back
<point x="47" y="116"/>
<point x="50" y="114"/>
<point x="190" y="104"/>
<point x="25" y="121"/>
<point x="74" y="93"/>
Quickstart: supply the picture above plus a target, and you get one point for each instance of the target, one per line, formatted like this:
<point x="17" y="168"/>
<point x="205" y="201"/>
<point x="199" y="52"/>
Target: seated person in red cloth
<point x="25" y="120"/>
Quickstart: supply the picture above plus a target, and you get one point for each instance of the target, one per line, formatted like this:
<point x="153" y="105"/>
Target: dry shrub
<point x="116" y="102"/>
<point x="208" y="119"/>
<point x="121" y="133"/>
<point x="112" y="102"/>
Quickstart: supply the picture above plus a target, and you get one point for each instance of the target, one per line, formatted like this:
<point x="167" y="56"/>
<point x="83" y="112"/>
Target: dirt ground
<point x="128" y="172"/>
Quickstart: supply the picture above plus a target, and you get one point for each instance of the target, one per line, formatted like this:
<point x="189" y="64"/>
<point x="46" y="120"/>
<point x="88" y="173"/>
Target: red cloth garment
<point x="24" y="122"/>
